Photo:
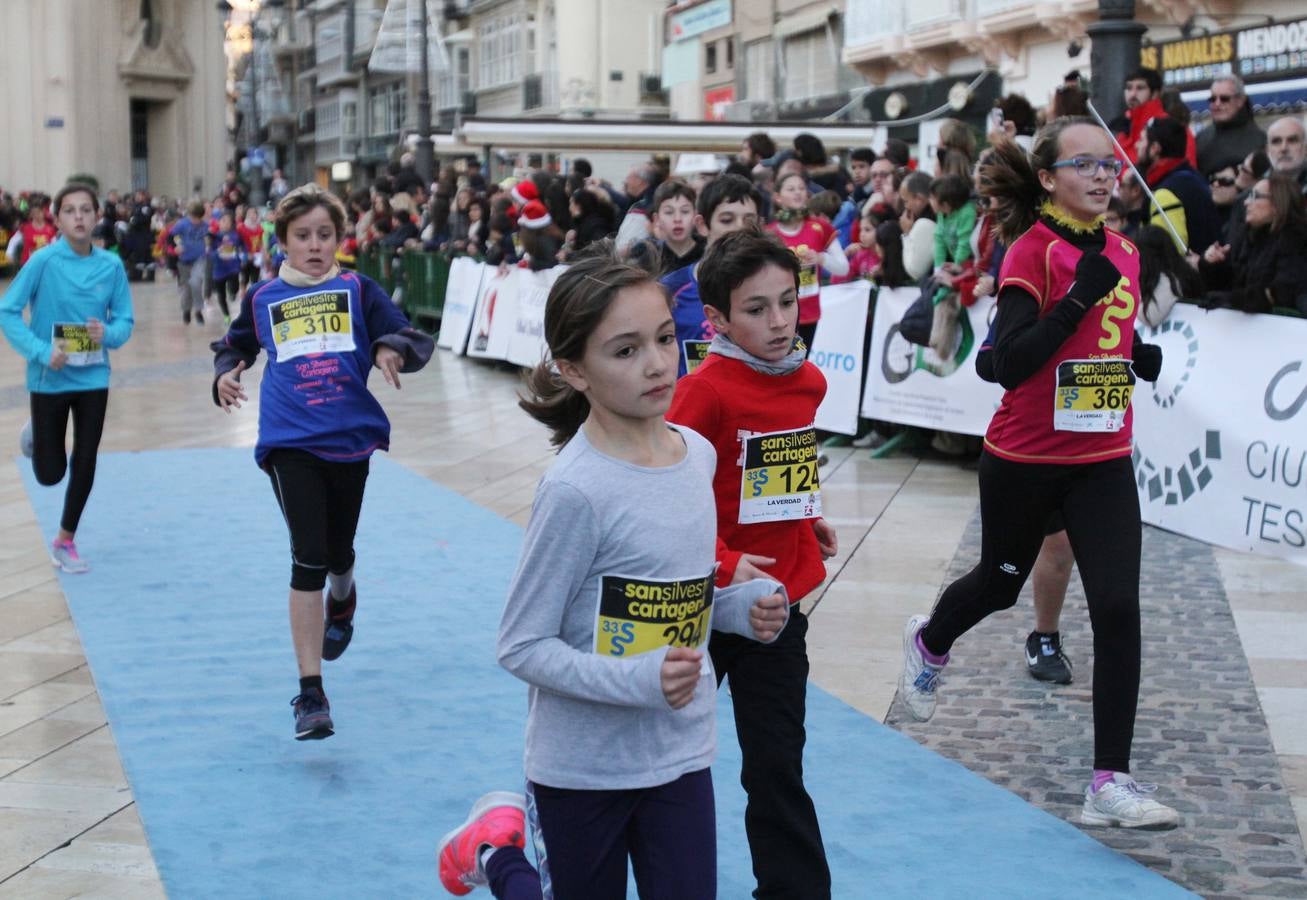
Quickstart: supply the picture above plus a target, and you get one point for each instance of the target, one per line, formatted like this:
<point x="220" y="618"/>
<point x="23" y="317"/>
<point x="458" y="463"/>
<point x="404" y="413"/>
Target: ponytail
<point x="1010" y="178"/>
<point x="577" y="303"/>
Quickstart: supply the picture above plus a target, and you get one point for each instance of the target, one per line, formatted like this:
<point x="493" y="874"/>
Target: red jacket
<point x="722" y="400"/>
<point x="1138" y="119"/>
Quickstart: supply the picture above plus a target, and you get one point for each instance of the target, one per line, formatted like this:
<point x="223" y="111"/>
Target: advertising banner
<point x="526" y="345"/>
<point x="1221" y="439"/>
<point x="912" y="385"/>
<point x="837" y="351"/>
<point x="496" y="314"/>
<point x="460" y="302"/>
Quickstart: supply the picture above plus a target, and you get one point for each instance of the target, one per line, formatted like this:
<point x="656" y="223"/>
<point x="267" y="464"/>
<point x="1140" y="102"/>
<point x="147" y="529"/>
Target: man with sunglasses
<point x="1233" y="133"/>
<point x="1183" y="195"/>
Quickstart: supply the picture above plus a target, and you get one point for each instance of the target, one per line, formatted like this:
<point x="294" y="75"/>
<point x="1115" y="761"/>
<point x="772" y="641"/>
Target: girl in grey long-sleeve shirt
<point x="608" y="618"/>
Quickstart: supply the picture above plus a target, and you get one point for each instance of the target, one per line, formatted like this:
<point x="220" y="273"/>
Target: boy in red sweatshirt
<point x="754" y="398"/>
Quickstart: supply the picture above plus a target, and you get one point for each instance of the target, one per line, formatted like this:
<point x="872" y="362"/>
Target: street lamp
<point x="426" y="153"/>
<point x="254" y="154"/>
<point x="1114" y="54"/>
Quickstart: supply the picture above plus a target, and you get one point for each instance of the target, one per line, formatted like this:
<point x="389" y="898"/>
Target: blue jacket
<point x="320" y="342"/>
<point x="64" y="288"/>
<point x="227" y="254"/>
<point x="687" y="314"/>
<point x="191" y="238"/>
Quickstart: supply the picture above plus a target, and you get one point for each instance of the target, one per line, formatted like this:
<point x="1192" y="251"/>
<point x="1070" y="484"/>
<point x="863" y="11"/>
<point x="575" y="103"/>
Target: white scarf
<point x="295" y="278"/>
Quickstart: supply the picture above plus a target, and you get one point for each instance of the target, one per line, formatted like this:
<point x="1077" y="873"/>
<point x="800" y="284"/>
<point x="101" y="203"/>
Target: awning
<point x="668" y="135"/>
<point x="807" y="20"/>
<point x="1285" y="96"/>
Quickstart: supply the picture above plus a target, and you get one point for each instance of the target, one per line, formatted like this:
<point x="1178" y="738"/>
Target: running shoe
<point x="64" y="556"/>
<point x="340" y="625"/>
<point x="312" y="716"/>
<point x="25" y="440"/>
<point x="1045" y="659"/>
<point x="1121" y="804"/>
<point x="497" y="820"/>
<point x="919" y="680"/>
<point x="872" y="440"/>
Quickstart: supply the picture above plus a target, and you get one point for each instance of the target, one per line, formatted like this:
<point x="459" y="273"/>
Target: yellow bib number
<point x="636" y="615"/>
<point x="75" y="341"/>
<point x="1092" y="394"/>
<point x="780" y="479"/>
<point x="312" y="323"/>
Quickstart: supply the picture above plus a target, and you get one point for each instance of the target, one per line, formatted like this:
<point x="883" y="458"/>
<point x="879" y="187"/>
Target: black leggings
<point x="50" y="414"/>
<point x="1101" y="508"/>
<point x="227" y="288"/>
<point x="320" y="501"/>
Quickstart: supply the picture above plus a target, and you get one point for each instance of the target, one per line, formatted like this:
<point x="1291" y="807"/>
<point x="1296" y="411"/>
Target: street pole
<point x="1114" y="54"/>
<point x="425" y="150"/>
<point x="252" y="148"/>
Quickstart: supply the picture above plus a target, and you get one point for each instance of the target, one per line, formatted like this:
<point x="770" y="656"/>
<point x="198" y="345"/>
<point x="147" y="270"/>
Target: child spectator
<point x="673" y="222"/>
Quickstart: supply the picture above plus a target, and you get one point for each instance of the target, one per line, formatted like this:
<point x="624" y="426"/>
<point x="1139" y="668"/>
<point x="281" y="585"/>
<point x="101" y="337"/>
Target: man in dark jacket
<point x="1182" y="194"/>
<point x="1233" y="134"/>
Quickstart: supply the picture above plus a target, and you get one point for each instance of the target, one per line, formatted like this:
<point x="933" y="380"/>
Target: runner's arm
<point x="119" y="318"/>
<point x="239" y="344"/>
<point x="391" y="328"/>
<point x="731" y="606"/>
<point x="19" y="334"/>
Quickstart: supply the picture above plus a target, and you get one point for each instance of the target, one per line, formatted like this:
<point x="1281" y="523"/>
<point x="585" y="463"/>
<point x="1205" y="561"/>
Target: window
<point x="327" y="121"/>
<point x="809" y="68"/>
<point x="730" y="53"/>
<point x="759" y="70"/>
<point x="456" y="81"/>
<point x="387" y="108"/>
<point x="710" y="57"/>
<point x="502" y="46"/>
<point x="349" y="118"/>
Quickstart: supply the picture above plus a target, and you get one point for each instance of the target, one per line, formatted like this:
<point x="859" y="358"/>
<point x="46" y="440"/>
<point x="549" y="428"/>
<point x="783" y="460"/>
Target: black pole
<point x="426" y="154"/>
<point x="256" y="172"/>
<point x="1114" y="54"/>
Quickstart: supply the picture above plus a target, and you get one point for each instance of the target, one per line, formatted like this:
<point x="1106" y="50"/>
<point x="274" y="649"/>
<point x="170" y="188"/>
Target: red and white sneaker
<point x="497" y="820"/>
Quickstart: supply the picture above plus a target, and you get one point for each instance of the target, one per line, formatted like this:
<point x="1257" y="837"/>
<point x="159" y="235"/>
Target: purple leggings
<point x="668" y="832"/>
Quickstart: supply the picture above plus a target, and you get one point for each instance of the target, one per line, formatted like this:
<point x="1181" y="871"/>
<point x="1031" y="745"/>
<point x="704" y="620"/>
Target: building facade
<point x="128" y="91"/>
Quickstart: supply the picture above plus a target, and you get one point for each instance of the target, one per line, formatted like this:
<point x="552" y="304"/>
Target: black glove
<point x="1147" y="361"/>
<point x="1096" y="276"/>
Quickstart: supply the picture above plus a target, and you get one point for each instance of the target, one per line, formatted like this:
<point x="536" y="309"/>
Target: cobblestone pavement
<point x="1200" y="732"/>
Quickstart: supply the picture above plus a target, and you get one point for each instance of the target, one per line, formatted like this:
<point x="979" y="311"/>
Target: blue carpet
<point x="183" y="620"/>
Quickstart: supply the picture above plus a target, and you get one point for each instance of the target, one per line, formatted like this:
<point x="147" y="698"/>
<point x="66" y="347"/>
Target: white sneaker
<point x="64" y="556"/>
<point x="1121" y="803"/>
<point x="919" y="680"/>
<point x="25" y="440"/>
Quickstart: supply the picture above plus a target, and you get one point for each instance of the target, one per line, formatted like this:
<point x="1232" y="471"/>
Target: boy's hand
<point x="827" y="542"/>
<point x="680" y="675"/>
<point x="230" y="392"/>
<point x="389" y="361"/>
<point x="748" y="569"/>
<point x="767" y="617"/>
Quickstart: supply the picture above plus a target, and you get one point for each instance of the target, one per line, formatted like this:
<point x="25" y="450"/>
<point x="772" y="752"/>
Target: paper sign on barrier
<point x="464" y="285"/>
<point x="496" y="314"/>
<point x="526" y="345"/>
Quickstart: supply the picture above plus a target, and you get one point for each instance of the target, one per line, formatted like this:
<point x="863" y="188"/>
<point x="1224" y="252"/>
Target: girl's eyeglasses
<point x="1088" y="167"/>
<point x="1258" y="195"/>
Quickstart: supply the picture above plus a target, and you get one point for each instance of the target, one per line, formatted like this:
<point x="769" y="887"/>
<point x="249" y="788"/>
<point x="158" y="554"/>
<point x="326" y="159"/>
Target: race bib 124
<point x="780" y="478"/>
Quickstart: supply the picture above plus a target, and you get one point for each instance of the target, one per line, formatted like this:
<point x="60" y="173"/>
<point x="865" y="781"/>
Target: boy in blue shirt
<point x="190" y="236"/>
<point x="728" y="203"/>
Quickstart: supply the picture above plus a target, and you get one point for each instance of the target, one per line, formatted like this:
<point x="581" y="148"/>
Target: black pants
<point x="227" y="288"/>
<point x="769" y="690"/>
<point x="50" y="413"/>
<point x="320" y="501"/>
<point x="1100" y="506"/>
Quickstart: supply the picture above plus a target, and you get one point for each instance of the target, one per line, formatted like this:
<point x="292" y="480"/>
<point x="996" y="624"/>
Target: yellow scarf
<point x="1066" y="220"/>
<point x="295" y="278"/>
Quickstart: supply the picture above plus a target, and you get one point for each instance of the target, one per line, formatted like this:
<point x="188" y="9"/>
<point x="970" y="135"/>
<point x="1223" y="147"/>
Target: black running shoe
<point x="312" y="716"/>
<point x="1045" y="659"/>
<point x="340" y="625"/>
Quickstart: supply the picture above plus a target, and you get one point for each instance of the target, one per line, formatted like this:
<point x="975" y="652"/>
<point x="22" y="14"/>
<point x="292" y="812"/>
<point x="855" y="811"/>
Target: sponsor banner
<point x="911" y="385"/>
<point x="526" y="345"/>
<point x="1269" y="50"/>
<point x="837" y="351"/>
<point x="461" y="292"/>
<point x="496" y="314"/>
<point x="1221" y="439"/>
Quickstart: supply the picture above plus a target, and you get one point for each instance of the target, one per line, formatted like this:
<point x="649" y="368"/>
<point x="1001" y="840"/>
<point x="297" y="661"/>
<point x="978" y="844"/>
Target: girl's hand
<point x="827" y="542"/>
<point x="808" y="256"/>
<point x="389" y="361"/>
<point x="767" y="617"/>
<point x="95" y="329"/>
<point x="680" y="675"/>
<point x="57" y="356"/>
<point x="230" y="392"/>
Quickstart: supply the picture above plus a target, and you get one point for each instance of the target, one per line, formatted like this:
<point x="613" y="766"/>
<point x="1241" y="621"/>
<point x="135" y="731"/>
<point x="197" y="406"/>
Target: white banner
<point x="1221" y="439"/>
<point x="837" y="351"/>
<point x="912" y="385"/>
<point x="496" y="314"/>
<point x="526" y="345"/>
<point x="461" y="293"/>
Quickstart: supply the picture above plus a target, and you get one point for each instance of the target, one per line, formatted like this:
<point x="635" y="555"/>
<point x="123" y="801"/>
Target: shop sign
<point x="1254" y="54"/>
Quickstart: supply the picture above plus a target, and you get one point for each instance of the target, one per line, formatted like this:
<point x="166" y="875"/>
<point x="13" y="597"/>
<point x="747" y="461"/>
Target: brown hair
<point x="736" y="257"/>
<point x="1010" y="178"/>
<point x="577" y="303"/>
<point x="1287" y="202"/>
<point x="826" y="203"/>
<point x="670" y="190"/>
<point x="301" y="202"/>
<point x="74" y="187"/>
